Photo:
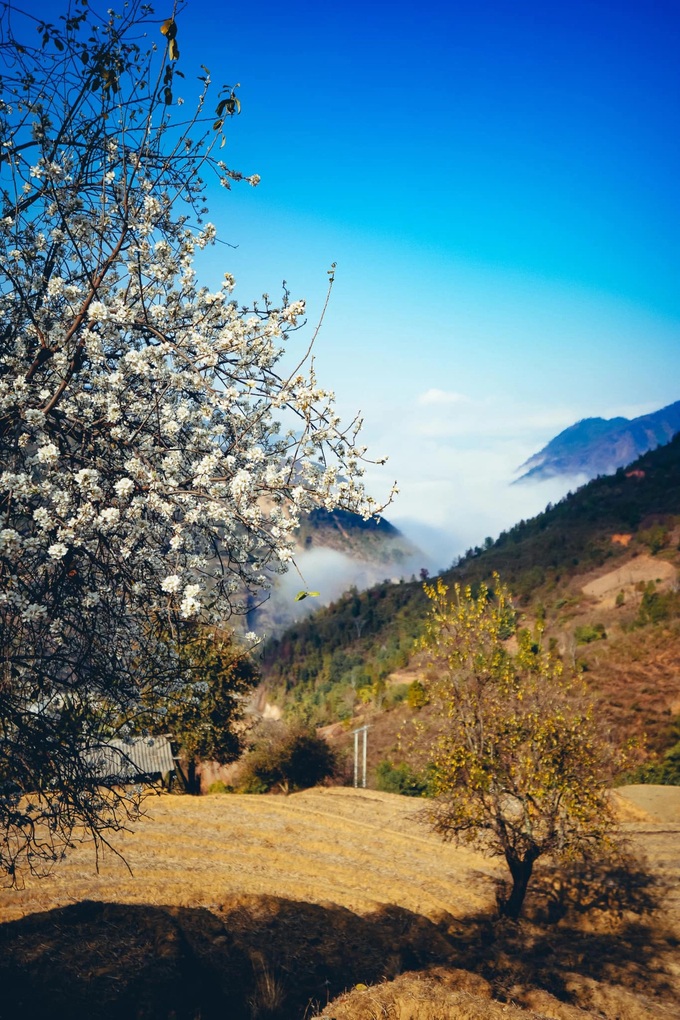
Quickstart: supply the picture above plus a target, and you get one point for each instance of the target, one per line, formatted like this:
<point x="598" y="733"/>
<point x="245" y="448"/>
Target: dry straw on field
<point x="335" y="903"/>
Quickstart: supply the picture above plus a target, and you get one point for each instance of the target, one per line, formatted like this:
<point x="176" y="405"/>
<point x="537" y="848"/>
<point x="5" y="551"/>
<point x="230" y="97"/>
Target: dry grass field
<point x="339" y="903"/>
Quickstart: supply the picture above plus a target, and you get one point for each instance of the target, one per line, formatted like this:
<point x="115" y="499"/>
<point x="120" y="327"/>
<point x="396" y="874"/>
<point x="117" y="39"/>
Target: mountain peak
<point x="599" y="446"/>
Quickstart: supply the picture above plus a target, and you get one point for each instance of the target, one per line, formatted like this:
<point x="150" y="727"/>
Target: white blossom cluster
<point x="145" y="480"/>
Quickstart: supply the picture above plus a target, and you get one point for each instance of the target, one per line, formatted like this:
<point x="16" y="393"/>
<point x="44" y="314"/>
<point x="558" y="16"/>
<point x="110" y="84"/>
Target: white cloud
<point x="455" y="463"/>
<point x="497" y="418"/>
<point x="330" y="573"/>
<point x="435" y="396"/>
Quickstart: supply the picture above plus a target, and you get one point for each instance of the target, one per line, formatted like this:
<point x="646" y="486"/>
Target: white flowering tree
<point x="145" y="480"/>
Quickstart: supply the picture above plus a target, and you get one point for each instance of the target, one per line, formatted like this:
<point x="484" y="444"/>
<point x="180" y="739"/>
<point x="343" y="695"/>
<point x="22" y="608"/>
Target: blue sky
<point x="498" y="184"/>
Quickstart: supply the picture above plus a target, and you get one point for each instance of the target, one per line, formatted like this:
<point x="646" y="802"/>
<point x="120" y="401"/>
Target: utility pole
<point x="364" y="730"/>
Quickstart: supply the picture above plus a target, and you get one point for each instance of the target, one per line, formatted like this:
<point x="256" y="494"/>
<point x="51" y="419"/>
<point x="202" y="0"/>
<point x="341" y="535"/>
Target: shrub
<point x="400" y="779"/>
<point x="657" y="606"/>
<point x="417" y="695"/>
<point x="291" y="759"/>
<point x="655" y="538"/>
<point x="589" y="632"/>
<point x="664" y="772"/>
<point x="396" y="695"/>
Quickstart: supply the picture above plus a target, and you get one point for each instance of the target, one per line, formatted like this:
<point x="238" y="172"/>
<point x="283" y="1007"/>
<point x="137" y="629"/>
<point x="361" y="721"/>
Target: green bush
<point x="400" y="779"/>
<point x="665" y="772"/>
<point x="655" y="538"/>
<point x="395" y="695"/>
<point x="657" y="606"/>
<point x="417" y="695"/>
<point x="220" y="787"/>
<point x="589" y="632"/>
<point x="290" y="759"/>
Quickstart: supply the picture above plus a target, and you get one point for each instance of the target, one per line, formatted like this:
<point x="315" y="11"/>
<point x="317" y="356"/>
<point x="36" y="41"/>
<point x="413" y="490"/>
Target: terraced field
<point x="337" y="903"/>
<point x="357" y="848"/>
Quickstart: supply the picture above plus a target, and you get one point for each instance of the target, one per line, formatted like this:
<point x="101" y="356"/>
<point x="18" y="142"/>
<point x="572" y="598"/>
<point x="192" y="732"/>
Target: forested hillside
<point x="599" y="569"/>
<point x="575" y="535"/>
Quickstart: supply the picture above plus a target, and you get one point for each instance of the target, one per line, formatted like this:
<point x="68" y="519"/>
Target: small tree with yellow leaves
<point x="518" y="765"/>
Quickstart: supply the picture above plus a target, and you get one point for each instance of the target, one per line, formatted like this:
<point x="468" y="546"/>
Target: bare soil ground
<point x="606" y="587"/>
<point x="339" y="903"/>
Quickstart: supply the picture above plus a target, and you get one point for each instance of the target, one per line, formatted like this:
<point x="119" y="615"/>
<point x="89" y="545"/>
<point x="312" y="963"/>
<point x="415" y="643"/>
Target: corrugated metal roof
<point x="125" y="760"/>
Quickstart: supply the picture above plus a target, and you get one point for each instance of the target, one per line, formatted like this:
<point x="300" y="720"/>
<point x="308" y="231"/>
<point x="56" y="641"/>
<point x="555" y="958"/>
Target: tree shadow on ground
<point x="598" y="919"/>
<point x="264" y="957"/>
<point x="598" y="887"/>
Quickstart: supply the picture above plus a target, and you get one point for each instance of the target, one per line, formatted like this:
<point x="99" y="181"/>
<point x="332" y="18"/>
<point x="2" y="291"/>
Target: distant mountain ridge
<point x="344" y="530"/>
<point x="599" y="446"/>
<point x="336" y="551"/>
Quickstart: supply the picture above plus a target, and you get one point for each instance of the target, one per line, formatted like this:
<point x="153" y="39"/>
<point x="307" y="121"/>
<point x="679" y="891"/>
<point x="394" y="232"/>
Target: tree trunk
<point x="188" y="781"/>
<point x="521" y="870"/>
<point x="193" y="780"/>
